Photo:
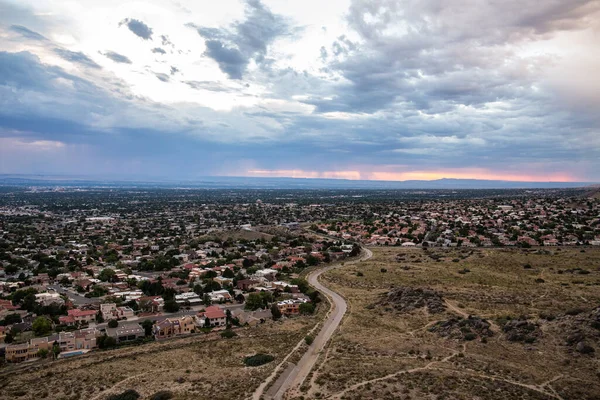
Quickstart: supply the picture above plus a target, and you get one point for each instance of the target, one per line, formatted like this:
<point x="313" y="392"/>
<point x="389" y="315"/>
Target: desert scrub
<point x="258" y="359"/>
<point x="162" y="395"/>
<point x="228" y="334"/>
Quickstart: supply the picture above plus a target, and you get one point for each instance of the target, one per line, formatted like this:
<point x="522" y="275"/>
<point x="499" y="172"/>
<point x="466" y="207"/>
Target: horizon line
<point x="190" y="179"/>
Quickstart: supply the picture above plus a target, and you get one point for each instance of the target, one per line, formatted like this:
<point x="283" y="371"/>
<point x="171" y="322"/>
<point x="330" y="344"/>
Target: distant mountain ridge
<point x="229" y="182"/>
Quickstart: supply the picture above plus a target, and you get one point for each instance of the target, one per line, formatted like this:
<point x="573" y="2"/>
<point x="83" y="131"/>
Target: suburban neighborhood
<point x="123" y="268"/>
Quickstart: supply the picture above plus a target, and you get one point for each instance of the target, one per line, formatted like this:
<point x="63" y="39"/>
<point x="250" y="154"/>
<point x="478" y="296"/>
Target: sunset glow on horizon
<point x="413" y="175"/>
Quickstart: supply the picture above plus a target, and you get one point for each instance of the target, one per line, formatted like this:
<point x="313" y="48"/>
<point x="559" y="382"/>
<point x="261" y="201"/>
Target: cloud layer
<point x="378" y="89"/>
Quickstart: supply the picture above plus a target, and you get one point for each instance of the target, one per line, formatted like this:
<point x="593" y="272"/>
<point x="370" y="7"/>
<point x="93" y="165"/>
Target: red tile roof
<point x="81" y="313"/>
<point x="213" y="312"/>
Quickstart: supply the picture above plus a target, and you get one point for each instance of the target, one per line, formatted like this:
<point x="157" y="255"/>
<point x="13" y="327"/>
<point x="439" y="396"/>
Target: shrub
<point x="583" y="272"/>
<point x="574" y="311"/>
<point x="113" y="323"/>
<point x="162" y="395"/>
<point x="383" y="270"/>
<point x="228" y="334"/>
<point x="359" y="274"/>
<point x="309" y="340"/>
<point x="547" y="317"/>
<point x="126" y="395"/>
<point x="258" y="359"/>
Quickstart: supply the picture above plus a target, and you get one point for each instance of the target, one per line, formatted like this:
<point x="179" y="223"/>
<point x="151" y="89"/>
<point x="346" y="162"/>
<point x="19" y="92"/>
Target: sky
<point x="353" y="89"/>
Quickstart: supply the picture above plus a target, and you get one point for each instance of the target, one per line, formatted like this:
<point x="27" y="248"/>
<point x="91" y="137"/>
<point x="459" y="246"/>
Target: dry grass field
<point x="532" y="325"/>
<point x="197" y="367"/>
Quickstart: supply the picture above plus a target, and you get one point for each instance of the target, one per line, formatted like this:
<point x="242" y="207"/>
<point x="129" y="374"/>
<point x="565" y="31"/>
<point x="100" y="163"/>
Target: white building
<point x="46" y="299"/>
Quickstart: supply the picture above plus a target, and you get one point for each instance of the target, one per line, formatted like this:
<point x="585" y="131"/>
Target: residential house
<point x="291" y="306"/>
<point x="111" y="311"/>
<point x="46" y="299"/>
<point x="252" y="318"/>
<point x="151" y="304"/>
<point x="16" y="353"/>
<point x="215" y="315"/>
<point x="170" y="327"/>
<point x="246" y="284"/>
<point x="219" y="296"/>
<point x="126" y="332"/>
<point x="78" y="316"/>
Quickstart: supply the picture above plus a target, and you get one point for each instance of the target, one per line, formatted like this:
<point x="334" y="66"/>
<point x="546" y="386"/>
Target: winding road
<point x="294" y="375"/>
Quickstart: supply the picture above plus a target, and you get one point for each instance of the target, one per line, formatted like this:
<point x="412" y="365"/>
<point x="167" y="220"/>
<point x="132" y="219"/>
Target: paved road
<point x="160" y="317"/>
<point x="297" y="376"/>
<point x="76" y="298"/>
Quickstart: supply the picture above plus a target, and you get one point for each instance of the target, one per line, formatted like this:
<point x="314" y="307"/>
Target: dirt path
<point x="111" y="390"/>
<point x="457" y="310"/>
<point x="308" y="360"/>
<point x="428" y="366"/>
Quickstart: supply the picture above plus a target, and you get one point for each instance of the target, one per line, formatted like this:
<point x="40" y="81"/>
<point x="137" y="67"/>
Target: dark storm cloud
<point x="27" y="33"/>
<point x="67" y="97"/>
<point x="23" y="70"/>
<point x="69" y="107"/>
<point x="230" y="60"/>
<point x="76" y="57"/>
<point x="158" y="50"/>
<point x="138" y="28"/>
<point x="116" y="57"/>
<point x="233" y="48"/>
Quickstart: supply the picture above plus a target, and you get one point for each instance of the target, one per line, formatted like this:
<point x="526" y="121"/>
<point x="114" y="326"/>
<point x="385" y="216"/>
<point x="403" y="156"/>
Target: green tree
<point x="228" y="273"/>
<point x="11" y="319"/>
<point x="306" y="308"/>
<point x="55" y="349"/>
<point x="107" y="275"/>
<point x="171" y="306"/>
<point x="275" y="312"/>
<point x="41" y="326"/>
<point x="42" y="353"/>
<point x="253" y="302"/>
<point x="301" y="283"/>
<point x="113" y="323"/>
<point x="106" y="342"/>
<point x="147" y="325"/>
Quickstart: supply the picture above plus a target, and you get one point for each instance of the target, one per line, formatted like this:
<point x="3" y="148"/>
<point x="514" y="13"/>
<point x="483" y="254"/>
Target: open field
<point x="197" y="367"/>
<point x="532" y="328"/>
